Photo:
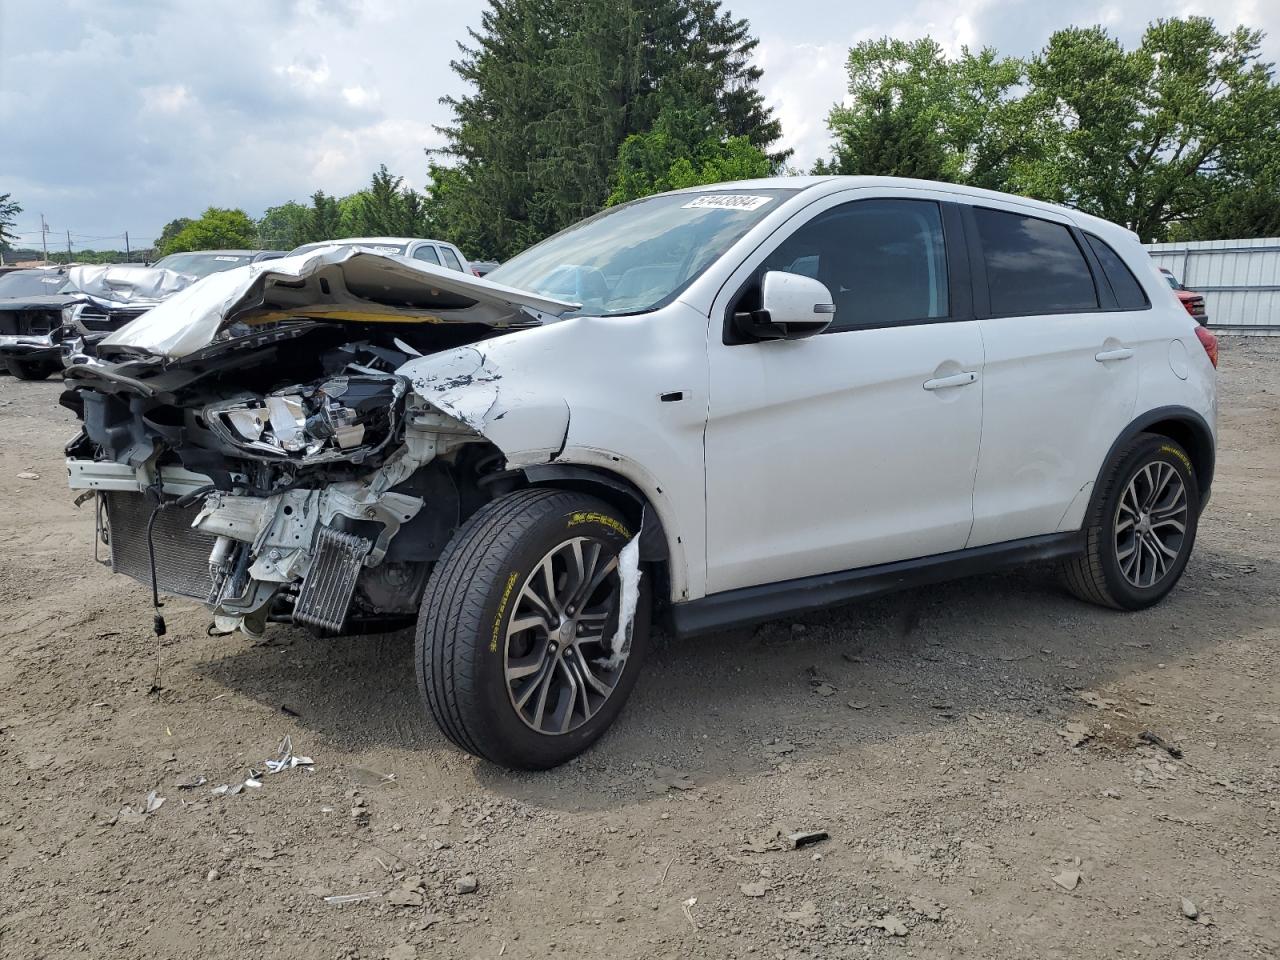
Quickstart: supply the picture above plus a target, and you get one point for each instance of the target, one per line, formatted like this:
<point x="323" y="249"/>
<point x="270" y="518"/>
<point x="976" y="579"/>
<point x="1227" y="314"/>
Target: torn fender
<point x="467" y="385"/>
<point x="339" y="284"/>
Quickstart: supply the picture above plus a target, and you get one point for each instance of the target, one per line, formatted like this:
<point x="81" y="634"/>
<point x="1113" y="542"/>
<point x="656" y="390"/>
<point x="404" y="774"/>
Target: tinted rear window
<point x="1033" y="265"/>
<point x="1128" y="291"/>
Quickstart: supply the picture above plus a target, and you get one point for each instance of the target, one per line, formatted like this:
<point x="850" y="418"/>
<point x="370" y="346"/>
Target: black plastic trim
<point x="748" y="605"/>
<point x="1202" y="457"/>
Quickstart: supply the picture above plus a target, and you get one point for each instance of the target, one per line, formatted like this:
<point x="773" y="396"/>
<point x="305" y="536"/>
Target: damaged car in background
<point x="718" y="405"/>
<point x="31" y="303"/>
<point x="81" y="305"/>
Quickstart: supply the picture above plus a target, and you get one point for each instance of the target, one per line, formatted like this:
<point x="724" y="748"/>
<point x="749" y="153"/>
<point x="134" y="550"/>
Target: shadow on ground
<point x="1010" y="644"/>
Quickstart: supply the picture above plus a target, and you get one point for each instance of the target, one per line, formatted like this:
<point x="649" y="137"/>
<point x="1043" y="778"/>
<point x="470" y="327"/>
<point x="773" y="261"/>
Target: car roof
<point x="222" y="253"/>
<point x="378" y="240"/>
<point x="826" y="184"/>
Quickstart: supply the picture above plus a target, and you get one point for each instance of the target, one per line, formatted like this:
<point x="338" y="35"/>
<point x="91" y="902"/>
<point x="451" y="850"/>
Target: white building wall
<point x="1240" y="280"/>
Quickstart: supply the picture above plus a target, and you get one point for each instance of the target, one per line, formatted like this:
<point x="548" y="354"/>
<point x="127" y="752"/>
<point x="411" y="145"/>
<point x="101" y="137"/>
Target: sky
<point x="121" y="115"/>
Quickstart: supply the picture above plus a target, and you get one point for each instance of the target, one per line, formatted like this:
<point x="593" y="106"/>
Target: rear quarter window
<point x="1128" y="291"/>
<point x="450" y="259"/>
<point x="1033" y="266"/>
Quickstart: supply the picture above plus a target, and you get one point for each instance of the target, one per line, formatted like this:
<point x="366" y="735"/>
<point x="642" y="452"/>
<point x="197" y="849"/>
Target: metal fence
<point x="1240" y="280"/>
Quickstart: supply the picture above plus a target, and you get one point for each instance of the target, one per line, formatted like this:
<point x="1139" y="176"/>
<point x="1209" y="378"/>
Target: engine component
<point x="326" y="593"/>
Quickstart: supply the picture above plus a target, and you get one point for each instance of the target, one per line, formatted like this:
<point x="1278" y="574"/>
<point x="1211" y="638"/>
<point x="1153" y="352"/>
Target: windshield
<point x="202" y="264"/>
<point x="637" y="257"/>
<point x="399" y="248"/>
<point x="31" y="283"/>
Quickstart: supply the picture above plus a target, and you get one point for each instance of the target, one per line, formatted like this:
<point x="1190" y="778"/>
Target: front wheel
<point x="1140" y="528"/>
<point x="532" y="628"/>
<point x="30" y="369"/>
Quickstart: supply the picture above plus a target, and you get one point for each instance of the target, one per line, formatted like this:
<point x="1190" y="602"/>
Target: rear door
<point x="1060" y="381"/>
<point x="857" y="446"/>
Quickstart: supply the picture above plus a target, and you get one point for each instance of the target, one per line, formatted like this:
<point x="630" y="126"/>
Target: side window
<point x="1033" y="265"/>
<point x="884" y="261"/>
<point x="450" y="259"/>
<point x="1128" y="291"/>
<point x="428" y="253"/>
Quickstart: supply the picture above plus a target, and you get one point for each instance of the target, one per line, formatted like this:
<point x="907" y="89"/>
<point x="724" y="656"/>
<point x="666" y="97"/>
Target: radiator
<point x="182" y="553"/>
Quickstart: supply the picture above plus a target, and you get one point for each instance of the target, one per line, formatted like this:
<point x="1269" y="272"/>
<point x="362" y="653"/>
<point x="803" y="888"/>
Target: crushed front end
<point x="279" y="466"/>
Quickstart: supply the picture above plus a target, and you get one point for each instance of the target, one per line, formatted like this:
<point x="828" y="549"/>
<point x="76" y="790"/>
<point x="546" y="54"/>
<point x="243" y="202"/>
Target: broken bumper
<point x="30" y="346"/>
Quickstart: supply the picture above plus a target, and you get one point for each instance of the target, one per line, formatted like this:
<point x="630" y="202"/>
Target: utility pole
<point x="44" y="239"/>
<point x="68" y="248"/>
<point x="128" y="257"/>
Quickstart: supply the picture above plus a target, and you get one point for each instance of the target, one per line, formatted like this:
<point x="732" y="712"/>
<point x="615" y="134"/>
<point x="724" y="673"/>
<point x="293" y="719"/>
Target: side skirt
<point x="748" y="605"/>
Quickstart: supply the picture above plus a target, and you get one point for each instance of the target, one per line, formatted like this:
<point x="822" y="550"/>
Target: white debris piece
<point x="629" y="574"/>
<point x="286" y="760"/>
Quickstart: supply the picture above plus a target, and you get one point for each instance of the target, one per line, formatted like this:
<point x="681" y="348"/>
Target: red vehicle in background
<point x="1194" y="302"/>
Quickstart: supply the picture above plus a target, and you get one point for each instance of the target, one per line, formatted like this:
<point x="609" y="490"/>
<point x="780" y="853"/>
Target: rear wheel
<point x="1141" y="527"/>
<point x="30" y="369"/>
<point x="519" y="654"/>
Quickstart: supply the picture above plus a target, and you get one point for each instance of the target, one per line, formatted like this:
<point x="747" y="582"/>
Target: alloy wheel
<point x="559" y="660"/>
<point x="1151" y="524"/>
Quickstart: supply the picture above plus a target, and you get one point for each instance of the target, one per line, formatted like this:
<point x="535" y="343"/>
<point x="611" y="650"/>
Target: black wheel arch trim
<point x="1202" y="448"/>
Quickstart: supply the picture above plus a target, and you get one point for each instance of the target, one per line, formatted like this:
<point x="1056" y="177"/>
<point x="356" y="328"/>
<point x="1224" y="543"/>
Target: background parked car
<point x="1194" y="302"/>
<point x="481" y="267"/>
<point x="31" y="303"/>
<point x="201" y="263"/>
<point x="439" y="252"/>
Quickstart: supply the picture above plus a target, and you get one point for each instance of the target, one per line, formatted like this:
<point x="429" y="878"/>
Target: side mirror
<point x="792" y="307"/>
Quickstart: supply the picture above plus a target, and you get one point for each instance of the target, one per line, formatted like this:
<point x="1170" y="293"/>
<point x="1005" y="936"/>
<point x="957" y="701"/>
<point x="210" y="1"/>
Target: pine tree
<point x="558" y="86"/>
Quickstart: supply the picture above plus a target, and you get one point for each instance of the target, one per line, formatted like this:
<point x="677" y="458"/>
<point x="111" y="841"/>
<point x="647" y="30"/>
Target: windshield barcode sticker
<point x="728" y="201"/>
<point x="229" y="259"/>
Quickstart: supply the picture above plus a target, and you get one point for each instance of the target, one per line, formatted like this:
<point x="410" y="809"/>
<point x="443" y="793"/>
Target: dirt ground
<point x="934" y="735"/>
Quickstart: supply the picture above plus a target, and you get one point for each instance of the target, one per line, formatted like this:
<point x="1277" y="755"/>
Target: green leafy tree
<point x="912" y="111"/>
<point x="170" y="231"/>
<point x="684" y="149"/>
<point x="217" y="228"/>
<point x="284" y="227"/>
<point x="387" y="208"/>
<point x="324" y="219"/>
<point x="556" y="88"/>
<point x="9" y="210"/>
<point x="1157" y="135"/>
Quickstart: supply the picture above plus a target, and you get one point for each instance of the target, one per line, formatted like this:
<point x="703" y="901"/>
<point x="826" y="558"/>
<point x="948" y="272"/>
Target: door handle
<point x="1122" y="353"/>
<point x="956" y="380"/>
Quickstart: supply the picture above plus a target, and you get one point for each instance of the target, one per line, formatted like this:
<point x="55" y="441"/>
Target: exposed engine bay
<point x="287" y="464"/>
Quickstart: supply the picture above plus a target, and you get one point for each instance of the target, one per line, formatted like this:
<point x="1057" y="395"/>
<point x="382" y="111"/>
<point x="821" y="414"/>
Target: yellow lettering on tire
<point x="502" y="609"/>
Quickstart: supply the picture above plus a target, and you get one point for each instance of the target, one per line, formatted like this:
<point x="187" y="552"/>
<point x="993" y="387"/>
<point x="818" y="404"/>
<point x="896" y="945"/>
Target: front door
<point x="857" y="446"/>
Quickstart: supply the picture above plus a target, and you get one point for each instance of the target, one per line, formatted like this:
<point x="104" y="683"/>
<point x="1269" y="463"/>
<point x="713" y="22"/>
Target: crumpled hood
<point x="340" y="284"/>
<point x="128" y="284"/>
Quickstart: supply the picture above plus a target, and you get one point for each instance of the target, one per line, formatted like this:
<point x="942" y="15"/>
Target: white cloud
<point x="166" y="99"/>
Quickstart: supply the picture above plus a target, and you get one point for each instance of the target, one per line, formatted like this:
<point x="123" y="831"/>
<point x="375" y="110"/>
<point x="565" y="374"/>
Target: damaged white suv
<point x="718" y="405"/>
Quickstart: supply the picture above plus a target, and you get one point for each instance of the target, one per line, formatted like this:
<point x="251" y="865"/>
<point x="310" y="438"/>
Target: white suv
<point x="718" y="406"/>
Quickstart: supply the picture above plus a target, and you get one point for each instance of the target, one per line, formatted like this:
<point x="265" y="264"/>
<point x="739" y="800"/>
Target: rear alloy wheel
<point x="1141" y="527"/>
<point x="30" y="369"/>
<point x="519" y="653"/>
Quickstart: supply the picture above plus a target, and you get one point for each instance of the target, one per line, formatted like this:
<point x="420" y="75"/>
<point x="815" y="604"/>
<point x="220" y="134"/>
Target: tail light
<point x="476" y="272"/>
<point x="1210" y="344"/>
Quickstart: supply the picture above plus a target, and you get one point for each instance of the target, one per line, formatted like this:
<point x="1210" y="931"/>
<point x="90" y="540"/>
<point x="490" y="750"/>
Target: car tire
<point x="29" y="369"/>
<point x="501" y="679"/>
<point x="1141" y="526"/>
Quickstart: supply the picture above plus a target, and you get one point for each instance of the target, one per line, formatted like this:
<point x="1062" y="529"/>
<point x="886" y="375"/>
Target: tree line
<point x="574" y="105"/>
